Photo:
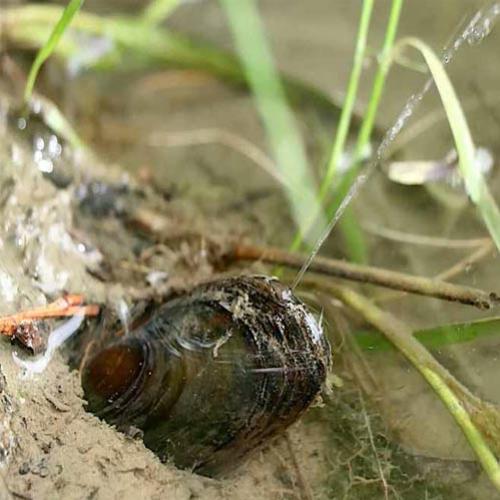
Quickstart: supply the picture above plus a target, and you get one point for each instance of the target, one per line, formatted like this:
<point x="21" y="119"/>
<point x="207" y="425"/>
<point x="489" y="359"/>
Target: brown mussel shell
<point x="212" y="374"/>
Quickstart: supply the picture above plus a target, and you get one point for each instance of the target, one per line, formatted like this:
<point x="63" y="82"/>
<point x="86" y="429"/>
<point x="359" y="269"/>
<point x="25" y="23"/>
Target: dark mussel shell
<point x="212" y="374"/>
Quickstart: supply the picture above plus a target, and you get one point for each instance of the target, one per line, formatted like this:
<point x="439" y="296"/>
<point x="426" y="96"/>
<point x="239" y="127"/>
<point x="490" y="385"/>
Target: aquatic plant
<point x="49" y="46"/>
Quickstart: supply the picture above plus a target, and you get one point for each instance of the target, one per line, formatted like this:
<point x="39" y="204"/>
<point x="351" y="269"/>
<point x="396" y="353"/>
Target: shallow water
<point x="212" y="187"/>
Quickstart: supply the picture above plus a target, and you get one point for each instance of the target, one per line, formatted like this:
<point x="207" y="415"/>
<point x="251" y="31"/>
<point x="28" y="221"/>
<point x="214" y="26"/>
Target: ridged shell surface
<point x="213" y="374"/>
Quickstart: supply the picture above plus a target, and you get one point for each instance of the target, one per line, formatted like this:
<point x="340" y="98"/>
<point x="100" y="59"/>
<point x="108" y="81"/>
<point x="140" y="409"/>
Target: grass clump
<point x="332" y="182"/>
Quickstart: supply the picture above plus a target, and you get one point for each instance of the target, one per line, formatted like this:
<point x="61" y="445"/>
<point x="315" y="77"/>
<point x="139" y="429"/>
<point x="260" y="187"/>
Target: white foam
<point x="56" y="339"/>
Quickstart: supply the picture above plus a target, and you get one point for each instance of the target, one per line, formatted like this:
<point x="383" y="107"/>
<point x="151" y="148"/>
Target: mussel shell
<point x="212" y="374"/>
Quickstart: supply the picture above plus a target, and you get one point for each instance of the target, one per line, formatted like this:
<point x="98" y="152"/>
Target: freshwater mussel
<point x="212" y="374"/>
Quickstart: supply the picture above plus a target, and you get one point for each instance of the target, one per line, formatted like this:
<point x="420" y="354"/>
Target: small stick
<point x="218" y="136"/>
<point x="458" y="268"/>
<point x="366" y="274"/>
<point x="69" y="305"/>
<point x="424" y="240"/>
<point x="452" y="272"/>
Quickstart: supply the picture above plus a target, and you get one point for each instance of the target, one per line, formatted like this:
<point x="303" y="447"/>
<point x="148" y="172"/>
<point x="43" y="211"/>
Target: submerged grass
<point x="351" y="230"/>
<point x="344" y="122"/>
<point x="477" y="419"/>
<point x="365" y="461"/>
<point x="136" y="43"/>
<point x="158" y="10"/>
<point x="434" y="338"/>
<point x="49" y="46"/>
<point x="350" y="98"/>
<point x="365" y="133"/>
<point x="474" y="181"/>
<point x="278" y="120"/>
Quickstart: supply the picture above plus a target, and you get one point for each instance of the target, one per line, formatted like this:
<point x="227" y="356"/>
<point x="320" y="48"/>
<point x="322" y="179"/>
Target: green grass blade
<point x="474" y="181"/>
<point x="353" y="237"/>
<point x="158" y="10"/>
<point x="458" y="410"/>
<point x="354" y="242"/>
<point x="278" y="120"/>
<point x="352" y="91"/>
<point x="366" y="130"/>
<point x="46" y="50"/>
<point x="351" y="230"/>
<point x="434" y="338"/>
<point x="349" y="225"/>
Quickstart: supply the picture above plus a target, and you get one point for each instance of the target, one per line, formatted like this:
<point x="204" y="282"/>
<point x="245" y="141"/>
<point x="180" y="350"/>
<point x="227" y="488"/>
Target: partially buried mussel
<point x="212" y="374"/>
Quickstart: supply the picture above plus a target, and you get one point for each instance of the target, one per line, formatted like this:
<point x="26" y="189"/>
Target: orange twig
<point x="68" y="305"/>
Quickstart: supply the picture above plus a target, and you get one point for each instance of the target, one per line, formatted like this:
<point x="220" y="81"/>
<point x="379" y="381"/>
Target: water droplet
<point x="21" y="123"/>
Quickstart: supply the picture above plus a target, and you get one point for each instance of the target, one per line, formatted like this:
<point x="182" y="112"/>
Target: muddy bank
<point x="52" y="448"/>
